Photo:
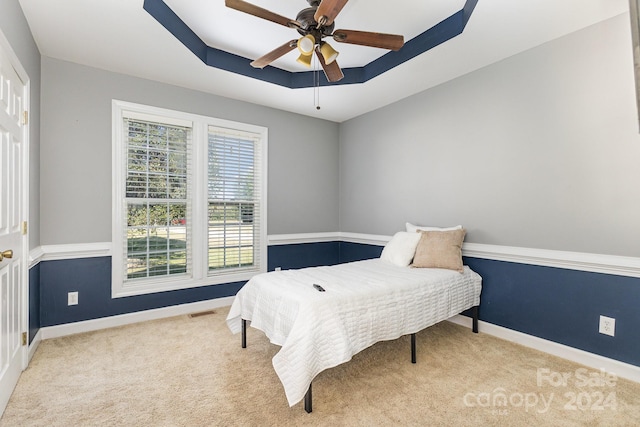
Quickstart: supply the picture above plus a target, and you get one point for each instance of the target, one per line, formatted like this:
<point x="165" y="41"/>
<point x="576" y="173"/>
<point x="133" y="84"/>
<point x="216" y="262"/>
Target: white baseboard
<point x="34" y="344"/>
<point x="129" y="318"/>
<point x="620" y="369"/>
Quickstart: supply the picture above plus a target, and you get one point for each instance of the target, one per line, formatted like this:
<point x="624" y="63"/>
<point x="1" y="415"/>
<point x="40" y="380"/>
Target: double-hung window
<point x="189" y="200"/>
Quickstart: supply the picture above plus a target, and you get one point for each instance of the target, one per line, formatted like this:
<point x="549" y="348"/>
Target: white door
<point x="13" y="296"/>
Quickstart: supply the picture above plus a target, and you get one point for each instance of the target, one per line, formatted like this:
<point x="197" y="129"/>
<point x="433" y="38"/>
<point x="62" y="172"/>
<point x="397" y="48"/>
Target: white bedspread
<point x="365" y="302"/>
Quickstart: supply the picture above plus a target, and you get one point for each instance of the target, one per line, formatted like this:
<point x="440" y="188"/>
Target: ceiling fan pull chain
<point x="316" y="83"/>
<point x="318" y="90"/>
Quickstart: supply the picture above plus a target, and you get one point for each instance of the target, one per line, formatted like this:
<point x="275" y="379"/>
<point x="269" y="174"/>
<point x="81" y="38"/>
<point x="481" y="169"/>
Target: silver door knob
<point x="6" y="254"/>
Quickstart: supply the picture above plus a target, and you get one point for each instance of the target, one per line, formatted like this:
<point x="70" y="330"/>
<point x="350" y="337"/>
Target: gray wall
<point x="14" y="27"/>
<point x="76" y="151"/>
<point x="540" y="150"/>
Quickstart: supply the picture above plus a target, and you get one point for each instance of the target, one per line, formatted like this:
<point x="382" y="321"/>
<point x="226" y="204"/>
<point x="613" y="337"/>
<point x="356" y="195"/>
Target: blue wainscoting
<point x="555" y="304"/>
<point x="350" y="252"/>
<point x="91" y="278"/>
<point x="51" y="281"/>
<point x="303" y="255"/>
<point x="34" y="301"/>
<point x="562" y="305"/>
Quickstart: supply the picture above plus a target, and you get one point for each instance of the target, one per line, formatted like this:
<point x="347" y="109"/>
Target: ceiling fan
<point x="314" y="23"/>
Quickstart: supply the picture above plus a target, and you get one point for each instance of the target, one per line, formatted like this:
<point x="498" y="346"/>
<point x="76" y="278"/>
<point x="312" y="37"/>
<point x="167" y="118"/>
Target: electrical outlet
<point x="72" y="298"/>
<point x="607" y="325"/>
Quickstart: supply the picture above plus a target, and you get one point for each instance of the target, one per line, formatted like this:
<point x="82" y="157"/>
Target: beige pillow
<point x="440" y="249"/>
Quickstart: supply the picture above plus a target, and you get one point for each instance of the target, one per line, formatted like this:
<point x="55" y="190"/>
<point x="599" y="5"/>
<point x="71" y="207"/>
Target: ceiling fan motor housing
<point x="308" y="24"/>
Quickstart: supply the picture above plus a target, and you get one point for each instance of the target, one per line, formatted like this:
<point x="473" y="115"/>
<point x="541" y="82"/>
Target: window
<point x="156" y="198"/>
<point x="189" y="198"/>
<point x="231" y="202"/>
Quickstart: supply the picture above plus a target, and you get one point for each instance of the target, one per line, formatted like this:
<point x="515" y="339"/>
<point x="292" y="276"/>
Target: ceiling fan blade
<point x="332" y="71"/>
<point x="328" y="10"/>
<point x="254" y="10"/>
<point x="276" y="53"/>
<point x="365" y="38"/>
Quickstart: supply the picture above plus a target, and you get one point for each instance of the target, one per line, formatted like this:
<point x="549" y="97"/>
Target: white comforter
<point x="365" y="302"/>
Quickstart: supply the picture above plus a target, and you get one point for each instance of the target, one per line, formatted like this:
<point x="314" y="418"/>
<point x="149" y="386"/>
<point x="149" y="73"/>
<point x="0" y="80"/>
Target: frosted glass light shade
<point x="306" y="44"/>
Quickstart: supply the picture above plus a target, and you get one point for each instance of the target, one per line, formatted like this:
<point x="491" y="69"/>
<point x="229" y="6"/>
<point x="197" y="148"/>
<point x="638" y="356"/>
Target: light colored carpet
<point x="186" y="371"/>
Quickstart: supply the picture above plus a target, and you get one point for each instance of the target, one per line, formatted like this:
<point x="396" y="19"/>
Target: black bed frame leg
<point x="244" y="333"/>
<point x="474" y="313"/>
<point x="307" y="401"/>
<point x="413" y="348"/>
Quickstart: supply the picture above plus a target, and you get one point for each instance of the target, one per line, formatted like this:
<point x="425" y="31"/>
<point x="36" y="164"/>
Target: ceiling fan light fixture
<point x="306" y="44"/>
<point x="305" y="60"/>
<point x="313" y="24"/>
<point x="328" y="52"/>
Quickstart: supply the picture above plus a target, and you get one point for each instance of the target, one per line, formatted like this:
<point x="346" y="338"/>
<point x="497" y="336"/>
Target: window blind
<point x="234" y="200"/>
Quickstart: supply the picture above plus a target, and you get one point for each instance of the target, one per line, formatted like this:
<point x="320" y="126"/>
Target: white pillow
<point x="413" y="228"/>
<point x="401" y="248"/>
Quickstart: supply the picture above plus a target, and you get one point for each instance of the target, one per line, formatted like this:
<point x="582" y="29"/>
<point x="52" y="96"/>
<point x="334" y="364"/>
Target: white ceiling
<point x="120" y="36"/>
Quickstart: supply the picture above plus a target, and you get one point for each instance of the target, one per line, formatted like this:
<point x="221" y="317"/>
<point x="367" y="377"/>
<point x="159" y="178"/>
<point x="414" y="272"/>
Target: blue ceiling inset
<point x="438" y="34"/>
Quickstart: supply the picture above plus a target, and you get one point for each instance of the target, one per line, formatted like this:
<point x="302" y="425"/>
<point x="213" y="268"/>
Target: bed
<point x="359" y="304"/>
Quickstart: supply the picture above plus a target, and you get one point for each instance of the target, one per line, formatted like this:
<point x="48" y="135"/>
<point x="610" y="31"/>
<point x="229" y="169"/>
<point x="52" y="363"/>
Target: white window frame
<point x="199" y="274"/>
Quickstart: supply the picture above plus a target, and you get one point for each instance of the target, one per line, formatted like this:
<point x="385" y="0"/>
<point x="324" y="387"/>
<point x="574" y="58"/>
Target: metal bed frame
<point x="308" y="407"/>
